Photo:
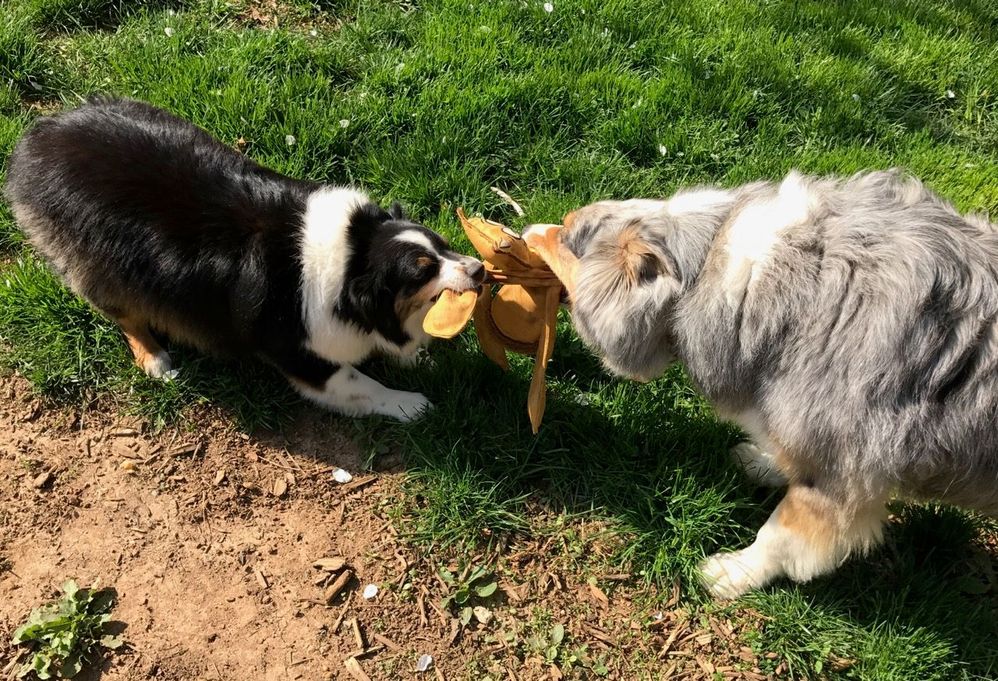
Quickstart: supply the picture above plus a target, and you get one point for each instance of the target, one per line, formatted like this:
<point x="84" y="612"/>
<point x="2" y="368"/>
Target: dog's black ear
<point x="371" y="304"/>
<point x="362" y="298"/>
<point x="396" y="211"/>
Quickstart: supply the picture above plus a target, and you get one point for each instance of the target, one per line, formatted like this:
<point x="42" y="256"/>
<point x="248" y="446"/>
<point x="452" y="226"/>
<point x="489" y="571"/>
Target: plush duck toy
<point x="522" y="314"/>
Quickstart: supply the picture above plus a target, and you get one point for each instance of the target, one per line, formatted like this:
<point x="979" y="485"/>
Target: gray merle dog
<point x="849" y="326"/>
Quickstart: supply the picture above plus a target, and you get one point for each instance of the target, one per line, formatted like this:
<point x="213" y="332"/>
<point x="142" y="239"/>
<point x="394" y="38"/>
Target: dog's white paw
<point x="160" y="366"/>
<point x="758" y="464"/>
<point x="729" y="575"/>
<point x="406" y="406"/>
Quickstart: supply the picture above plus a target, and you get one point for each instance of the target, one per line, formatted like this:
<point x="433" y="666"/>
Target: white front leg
<point x="352" y="393"/>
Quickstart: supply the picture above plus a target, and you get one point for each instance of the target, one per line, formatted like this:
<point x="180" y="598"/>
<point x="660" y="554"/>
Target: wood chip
<point x="355" y="670"/>
<point x="41" y="479"/>
<point x="124" y="432"/>
<point x="672" y="639"/>
<point x="330" y="563"/>
<point x="364" y="652"/>
<point x="261" y="578"/>
<point x="388" y="643"/>
<point x="280" y="487"/>
<point x="358" y="636"/>
<point x="357" y="484"/>
<point x="600" y="635"/>
<point x="674" y="599"/>
<point x="219" y="477"/>
<point x="597" y="593"/>
<point x="555" y="673"/>
<point x="705" y="665"/>
<point x="334" y="589"/>
<point x="183" y="450"/>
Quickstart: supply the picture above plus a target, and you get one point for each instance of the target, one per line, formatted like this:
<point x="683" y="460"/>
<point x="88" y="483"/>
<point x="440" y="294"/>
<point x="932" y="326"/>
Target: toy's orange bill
<point x="450" y="313"/>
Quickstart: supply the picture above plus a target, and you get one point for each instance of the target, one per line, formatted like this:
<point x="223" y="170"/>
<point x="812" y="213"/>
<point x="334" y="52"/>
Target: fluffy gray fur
<point x="859" y="351"/>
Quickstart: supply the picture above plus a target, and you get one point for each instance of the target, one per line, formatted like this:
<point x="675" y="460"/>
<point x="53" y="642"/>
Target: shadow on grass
<point x="927" y="597"/>
<point x="91" y="15"/>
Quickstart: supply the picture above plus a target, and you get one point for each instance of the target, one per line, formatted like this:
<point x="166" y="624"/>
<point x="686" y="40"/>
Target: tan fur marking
<point x="810" y="516"/>
<point x="632" y="253"/>
<point x="144" y="347"/>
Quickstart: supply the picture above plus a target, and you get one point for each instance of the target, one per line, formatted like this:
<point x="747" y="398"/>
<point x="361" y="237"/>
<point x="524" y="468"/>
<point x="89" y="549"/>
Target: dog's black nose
<point x="476" y="272"/>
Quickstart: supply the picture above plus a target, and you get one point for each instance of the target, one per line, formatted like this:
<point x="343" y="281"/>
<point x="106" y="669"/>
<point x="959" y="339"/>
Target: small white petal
<point x="313" y="33"/>
<point x="950" y="94"/>
<point x="168" y="31"/>
<point x="662" y="150"/>
<point x="424" y="664"/>
<point x="290" y="140"/>
<point x="171" y="375"/>
<point x="344" y="122"/>
<point x="548" y="7"/>
<point x="340" y="475"/>
<point x="855" y="97"/>
<point x="370" y="591"/>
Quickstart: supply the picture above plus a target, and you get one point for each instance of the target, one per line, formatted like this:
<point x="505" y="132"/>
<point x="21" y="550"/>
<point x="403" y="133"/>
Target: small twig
<point x="388" y="643"/>
<point x="421" y="607"/>
<point x="509" y="199"/>
<point x="339" y="620"/>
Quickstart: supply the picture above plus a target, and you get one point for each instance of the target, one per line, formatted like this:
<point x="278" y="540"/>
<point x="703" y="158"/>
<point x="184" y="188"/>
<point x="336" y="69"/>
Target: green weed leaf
<point x="486" y="590"/>
<point x="66" y="633"/>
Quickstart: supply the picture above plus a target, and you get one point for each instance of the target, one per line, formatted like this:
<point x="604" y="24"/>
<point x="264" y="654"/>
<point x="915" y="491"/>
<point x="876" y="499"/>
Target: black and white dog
<point x="163" y="228"/>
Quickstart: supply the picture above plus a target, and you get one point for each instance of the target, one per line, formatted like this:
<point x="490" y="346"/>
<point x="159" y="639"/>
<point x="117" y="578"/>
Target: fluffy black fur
<point x="145" y="214"/>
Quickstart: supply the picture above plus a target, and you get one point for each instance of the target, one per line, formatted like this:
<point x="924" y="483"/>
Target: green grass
<point x="595" y="99"/>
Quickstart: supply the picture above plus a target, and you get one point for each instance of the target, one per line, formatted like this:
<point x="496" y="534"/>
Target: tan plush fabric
<point x="521" y="316"/>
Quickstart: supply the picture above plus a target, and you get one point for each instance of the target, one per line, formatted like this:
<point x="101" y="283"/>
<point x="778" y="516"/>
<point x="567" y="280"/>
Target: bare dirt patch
<point x="210" y="536"/>
<point x="271" y="14"/>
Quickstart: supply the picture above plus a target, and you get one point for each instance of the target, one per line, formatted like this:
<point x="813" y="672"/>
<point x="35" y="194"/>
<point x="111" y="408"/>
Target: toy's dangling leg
<point x="537" y="397"/>
<point x="492" y="346"/>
